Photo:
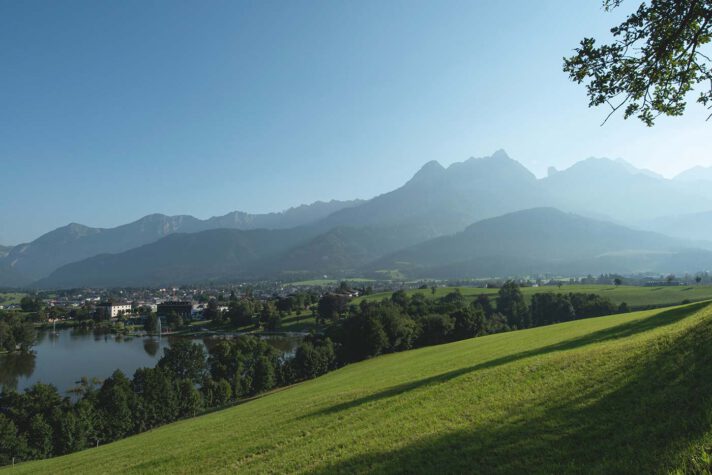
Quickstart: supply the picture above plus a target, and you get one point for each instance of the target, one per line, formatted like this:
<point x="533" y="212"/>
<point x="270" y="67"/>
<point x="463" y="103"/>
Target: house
<point x="184" y="309"/>
<point x="112" y="309"/>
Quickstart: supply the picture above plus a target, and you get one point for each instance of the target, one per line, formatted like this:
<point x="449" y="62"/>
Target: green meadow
<point x="627" y="393"/>
<point x="10" y="298"/>
<point x="321" y="282"/>
<point x="636" y="297"/>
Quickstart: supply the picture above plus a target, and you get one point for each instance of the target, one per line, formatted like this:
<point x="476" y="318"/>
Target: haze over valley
<point x="405" y="231"/>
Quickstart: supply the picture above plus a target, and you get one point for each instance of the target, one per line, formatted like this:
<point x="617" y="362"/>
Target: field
<point x="635" y="297"/>
<point x="9" y="298"/>
<point x="323" y="282"/>
<point x="617" y="394"/>
<point x="298" y="323"/>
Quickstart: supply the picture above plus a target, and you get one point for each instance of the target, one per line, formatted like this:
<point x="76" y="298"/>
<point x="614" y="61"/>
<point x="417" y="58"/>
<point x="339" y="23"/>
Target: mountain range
<point x="75" y="242"/>
<point x="433" y="225"/>
<point x="544" y="240"/>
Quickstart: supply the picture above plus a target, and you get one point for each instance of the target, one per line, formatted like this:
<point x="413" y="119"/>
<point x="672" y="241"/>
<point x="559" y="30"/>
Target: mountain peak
<point x="500" y="154"/>
<point x="696" y="173"/>
<point x="432" y="165"/>
<point x="427" y="172"/>
<point x="635" y="170"/>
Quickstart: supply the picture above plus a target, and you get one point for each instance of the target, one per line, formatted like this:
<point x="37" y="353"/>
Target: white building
<point x="112" y="310"/>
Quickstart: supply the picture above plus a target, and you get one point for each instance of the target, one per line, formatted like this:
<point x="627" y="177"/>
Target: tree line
<point x="16" y="333"/>
<point x="40" y="423"/>
<point x="404" y="322"/>
<point x="191" y="378"/>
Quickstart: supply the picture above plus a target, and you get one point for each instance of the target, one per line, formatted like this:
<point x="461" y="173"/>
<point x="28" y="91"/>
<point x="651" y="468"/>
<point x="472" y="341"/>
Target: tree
<point x="274" y="322"/>
<point x="399" y="297"/>
<point x="174" y="320"/>
<point x="548" y="308"/>
<point x="399" y="327"/>
<point x="330" y="306"/>
<point x="11" y="443"/>
<point x="359" y="337"/>
<point x="190" y="402"/>
<point x="267" y="313"/>
<point x="314" y="356"/>
<point x="115" y="403"/>
<point x="617" y="281"/>
<point x="184" y="360"/>
<point x="435" y="329"/>
<point x="7" y="337"/>
<point x="216" y="393"/>
<point x="264" y="378"/>
<point x="39" y="437"/>
<point x="511" y="304"/>
<point x="483" y="301"/>
<point x="223" y="393"/>
<point x="469" y="322"/>
<point x="150" y="323"/>
<point x="30" y="303"/>
<point x="654" y="62"/>
<point x="25" y="336"/>
<point x="698" y="279"/>
<point x="157" y="402"/>
<point x="222" y="360"/>
<point x="240" y="312"/>
<point x="212" y="311"/>
<point x="286" y="304"/>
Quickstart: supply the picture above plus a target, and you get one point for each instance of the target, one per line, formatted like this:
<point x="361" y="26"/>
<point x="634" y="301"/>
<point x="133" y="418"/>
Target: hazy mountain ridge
<point x="448" y="199"/>
<point x="696" y="226"/>
<point x="697" y="173"/>
<point x="345" y="237"/>
<point x="534" y="241"/>
<point x="604" y="186"/>
<point x="542" y="240"/>
<point x="4" y="250"/>
<point x="179" y="258"/>
<point x="341" y="251"/>
<point x="75" y="242"/>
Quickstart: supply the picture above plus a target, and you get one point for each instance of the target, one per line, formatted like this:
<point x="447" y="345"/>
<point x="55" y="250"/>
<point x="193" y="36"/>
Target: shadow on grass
<point x="648" y="418"/>
<point x="624" y="330"/>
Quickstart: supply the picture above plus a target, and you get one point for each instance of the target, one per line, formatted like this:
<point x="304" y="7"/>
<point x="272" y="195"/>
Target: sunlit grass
<point x="634" y="296"/>
<point x="10" y="298"/>
<point x="618" y="394"/>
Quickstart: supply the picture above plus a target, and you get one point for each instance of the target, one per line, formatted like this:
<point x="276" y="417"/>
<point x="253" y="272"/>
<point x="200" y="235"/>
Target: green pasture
<point x="628" y="393"/>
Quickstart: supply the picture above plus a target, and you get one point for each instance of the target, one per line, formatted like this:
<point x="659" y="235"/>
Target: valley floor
<point x="628" y="393"/>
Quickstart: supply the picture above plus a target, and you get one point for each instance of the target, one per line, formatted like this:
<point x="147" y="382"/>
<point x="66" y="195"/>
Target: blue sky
<point x="113" y="110"/>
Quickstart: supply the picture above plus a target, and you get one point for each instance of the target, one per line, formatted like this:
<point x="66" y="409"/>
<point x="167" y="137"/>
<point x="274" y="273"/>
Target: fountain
<point x="158" y="326"/>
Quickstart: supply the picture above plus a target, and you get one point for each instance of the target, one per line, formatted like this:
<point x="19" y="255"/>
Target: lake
<point x="63" y="358"/>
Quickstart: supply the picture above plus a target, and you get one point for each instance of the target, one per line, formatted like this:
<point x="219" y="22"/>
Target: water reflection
<point x="15" y="366"/>
<point x="151" y="346"/>
<point x="63" y="358"/>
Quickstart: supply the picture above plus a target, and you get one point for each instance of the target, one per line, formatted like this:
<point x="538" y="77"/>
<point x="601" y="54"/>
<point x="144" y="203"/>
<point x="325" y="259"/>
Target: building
<point x="112" y="310"/>
<point x="184" y="309"/>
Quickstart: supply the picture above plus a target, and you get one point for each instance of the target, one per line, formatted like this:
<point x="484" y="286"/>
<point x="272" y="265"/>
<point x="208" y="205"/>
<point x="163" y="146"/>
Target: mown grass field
<point x="298" y="323"/>
<point x="318" y="282"/>
<point x="635" y="297"/>
<point x="9" y="298"/>
<point x="628" y="393"/>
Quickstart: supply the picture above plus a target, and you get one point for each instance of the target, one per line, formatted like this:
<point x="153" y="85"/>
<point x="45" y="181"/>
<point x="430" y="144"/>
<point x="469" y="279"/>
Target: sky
<point x="113" y="110"/>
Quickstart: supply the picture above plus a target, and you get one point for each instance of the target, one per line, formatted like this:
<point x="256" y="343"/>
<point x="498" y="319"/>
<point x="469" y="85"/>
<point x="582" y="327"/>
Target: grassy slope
<point x="624" y="393"/>
<point x="9" y="298"/>
<point x="635" y="297"/>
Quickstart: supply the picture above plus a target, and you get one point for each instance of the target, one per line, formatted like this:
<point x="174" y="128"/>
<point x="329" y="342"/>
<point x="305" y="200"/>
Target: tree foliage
<point x="658" y="56"/>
